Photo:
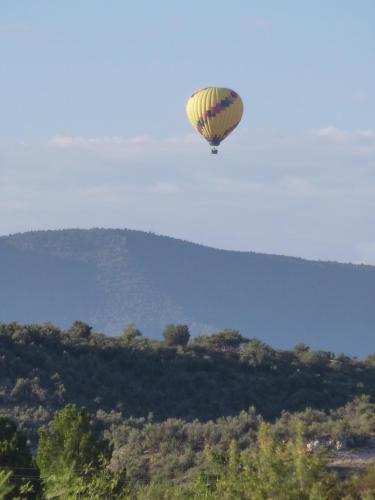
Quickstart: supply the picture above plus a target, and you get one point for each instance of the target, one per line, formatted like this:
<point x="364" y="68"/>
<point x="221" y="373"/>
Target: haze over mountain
<point x="110" y="277"/>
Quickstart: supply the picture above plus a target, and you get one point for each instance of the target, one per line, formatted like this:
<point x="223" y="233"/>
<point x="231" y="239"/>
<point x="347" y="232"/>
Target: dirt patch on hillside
<point x="356" y="459"/>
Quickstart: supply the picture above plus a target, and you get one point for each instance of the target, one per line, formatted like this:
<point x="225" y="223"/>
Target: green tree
<point x="256" y="353"/>
<point x="102" y="484"/>
<point x="361" y="486"/>
<point x="131" y="333"/>
<point x="176" y="335"/>
<point x="272" y="470"/>
<point x="5" y="486"/>
<point x="227" y="340"/>
<point x="68" y="450"/>
<point x="94" y="483"/>
<point x="301" y="347"/>
<point x="80" y="330"/>
<point x="15" y="457"/>
<point x="370" y="360"/>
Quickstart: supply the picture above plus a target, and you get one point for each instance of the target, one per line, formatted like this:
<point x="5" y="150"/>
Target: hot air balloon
<point x="214" y="112"/>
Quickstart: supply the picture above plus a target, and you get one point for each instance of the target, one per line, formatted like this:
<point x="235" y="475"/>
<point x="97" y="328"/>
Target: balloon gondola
<point x="214" y="112"/>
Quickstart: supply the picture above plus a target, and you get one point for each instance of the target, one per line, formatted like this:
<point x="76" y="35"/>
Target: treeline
<point x="43" y="368"/>
<point x="240" y="457"/>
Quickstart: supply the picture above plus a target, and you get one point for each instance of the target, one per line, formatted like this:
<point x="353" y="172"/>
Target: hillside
<point x="167" y="409"/>
<point x="110" y="277"/>
<point x="42" y="368"/>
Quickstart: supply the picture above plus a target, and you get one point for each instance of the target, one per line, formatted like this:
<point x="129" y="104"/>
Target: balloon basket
<point x="214" y="151"/>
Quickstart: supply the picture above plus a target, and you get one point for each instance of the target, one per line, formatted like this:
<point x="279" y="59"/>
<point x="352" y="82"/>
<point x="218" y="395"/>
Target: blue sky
<point x="94" y="133"/>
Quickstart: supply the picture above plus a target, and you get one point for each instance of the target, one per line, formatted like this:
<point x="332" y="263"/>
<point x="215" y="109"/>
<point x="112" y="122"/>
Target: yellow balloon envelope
<point x="215" y="112"/>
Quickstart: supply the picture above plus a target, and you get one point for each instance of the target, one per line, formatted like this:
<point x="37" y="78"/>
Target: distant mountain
<point x="110" y="277"/>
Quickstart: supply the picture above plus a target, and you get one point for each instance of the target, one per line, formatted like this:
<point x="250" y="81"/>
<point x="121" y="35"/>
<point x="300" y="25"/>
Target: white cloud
<point x="138" y="139"/>
<point x="368" y="134"/>
<point x="165" y="188"/>
<point x="360" y="142"/>
<point x="345" y="135"/>
<point x="268" y="146"/>
<point x="69" y="141"/>
<point x="331" y="133"/>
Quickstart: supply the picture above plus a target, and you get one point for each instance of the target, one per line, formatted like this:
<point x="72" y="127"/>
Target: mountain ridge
<point x="182" y="240"/>
<point x="110" y="277"/>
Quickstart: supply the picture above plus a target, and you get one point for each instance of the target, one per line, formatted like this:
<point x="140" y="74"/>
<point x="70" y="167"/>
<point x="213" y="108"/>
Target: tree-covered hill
<point x="112" y="277"/>
<point x="42" y="369"/>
